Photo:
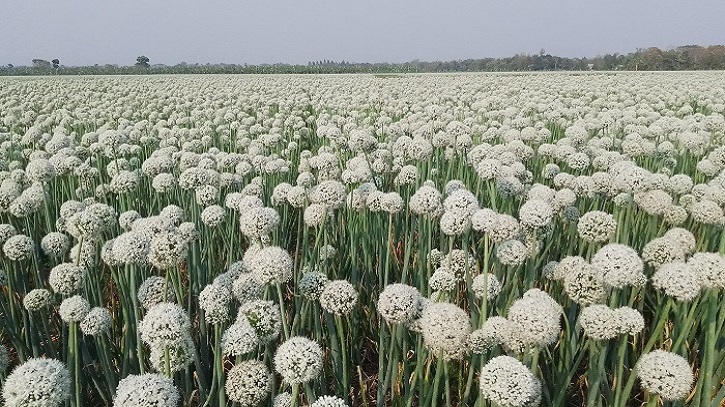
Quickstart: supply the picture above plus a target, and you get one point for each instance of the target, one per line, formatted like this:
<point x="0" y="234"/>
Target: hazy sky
<point x="86" y="32"/>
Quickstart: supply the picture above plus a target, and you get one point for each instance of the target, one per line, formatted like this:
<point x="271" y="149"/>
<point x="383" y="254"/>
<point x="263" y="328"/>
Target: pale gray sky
<point x="86" y="32"/>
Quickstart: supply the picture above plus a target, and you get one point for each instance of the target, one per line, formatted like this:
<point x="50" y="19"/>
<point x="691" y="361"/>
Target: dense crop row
<point x="480" y="240"/>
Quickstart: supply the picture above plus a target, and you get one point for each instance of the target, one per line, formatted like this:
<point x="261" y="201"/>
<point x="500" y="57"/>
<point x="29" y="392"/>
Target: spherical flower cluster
<point x="426" y="201"/>
<point x="329" y="193"/>
<point x="665" y="373"/>
<point x="165" y="325"/>
<point x="538" y="317"/>
<point x="445" y="329"/>
<point x="459" y="262"/>
<point x="442" y="280"/>
<point x="282" y="400"/>
<point x="155" y="290"/>
<point x="167" y="250"/>
<point x="506" y="227"/>
<point x="315" y="214"/>
<point x="677" y="279"/>
<point x="661" y="250"/>
<point x="486" y="285"/>
<point x="263" y="316"/>
<point x="37" y="382"/>
<point x="258" y="222"/>
<point x="55" y="244"/>
<point x="74" y="309"/>
<point x="454" y="223"/>
<point x="212" y="216"/>
<point x="329" y="401"/>
<point x="97" y="321"/>
<point x="709" y="268"/>
<point x="596" y="226"/>
<point x="146" y="390"/>
<point x="248" y="383"/>
<point x="37" y="299"/>
<point x="240" y="338"/>
<point x="19" y="247"/>
<point x="585" y="286"/>
<point x="214" y="299"/>
<point x="298" y="360"/>
<point x="509" y="383"/>
<point x="245" y="288"/>
<point x="338" y="297"/>
<point x="398" y="303"/>
<point x="535" y="213"/>
<point x="271" y="265"/>
<point x="619" y="265"/>
<point x="597" y="321"/>
<point x="311" y="284"/>
<point x="67" y="278"/>
<point x="511" y="253"/>
<point x="683" y="237"/>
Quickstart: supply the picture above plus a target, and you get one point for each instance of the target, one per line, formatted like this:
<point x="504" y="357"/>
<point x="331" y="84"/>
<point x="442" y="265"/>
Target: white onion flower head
<point x="213" y="216"/>
<point x="596" y="226"/>
<point x="684" y="238"/>
<point x="665" y="373"/>
<point x="245" y="288"/>
<point x="329" y="401"/>
<point x="263" y="316"/>
<point x="538" y="317"/>
<point x="19" y="247"/>
<point x="709" y="268"/>
<point x="164" y="325"/>
<point x="398" y="303"/>
<point x="37" y="382"/>
<point x="338" y="297"/>
<point x="298" y="360"/>
<point x="486" y="284"/>
<point x="677" y="279"/>
<point x="619" y="265"/>
<point x="74" y="309"/>
<point x="585" y="286"/>
<point x="67" y="278"/>
<point x="661" y="250"/>
<point x="446" y="329"/>
<point x="454" y="223"/>
<point x="214" y="299"/>
<point x="239" y="339"/>
<point x="258" y="222"/>
<point x="311" y="284"/>
<point x="167" y="250"/>
<point x="55" y="244"/>
<point x="155" y="290"/>
<point x="509" y="383"/>
<point x="314" y="215"/>
<point x="511" y="253"/>
<point x="147" y="390"/>
<point x="282" y="400"/>
<point x="599" y="322"/>
<point x="37" y="299"/>
<point x="96" y="322"/>
<point x="629" y="320"/>
<point x="248" y="383"/>
<point x="535" y="213"/>
<point x="442" y="279"/>
<point x="271" y="265"/>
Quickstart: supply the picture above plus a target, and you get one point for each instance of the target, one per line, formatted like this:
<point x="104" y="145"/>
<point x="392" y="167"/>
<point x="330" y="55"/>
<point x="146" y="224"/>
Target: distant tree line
<point x="690" y="57"/>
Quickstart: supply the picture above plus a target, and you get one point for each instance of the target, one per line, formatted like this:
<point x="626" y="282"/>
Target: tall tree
<point x="142" y="61"/>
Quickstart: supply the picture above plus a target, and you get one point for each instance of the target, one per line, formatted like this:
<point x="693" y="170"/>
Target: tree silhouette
<point x="142" y="61"/>
<point x="56" y="63"/>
